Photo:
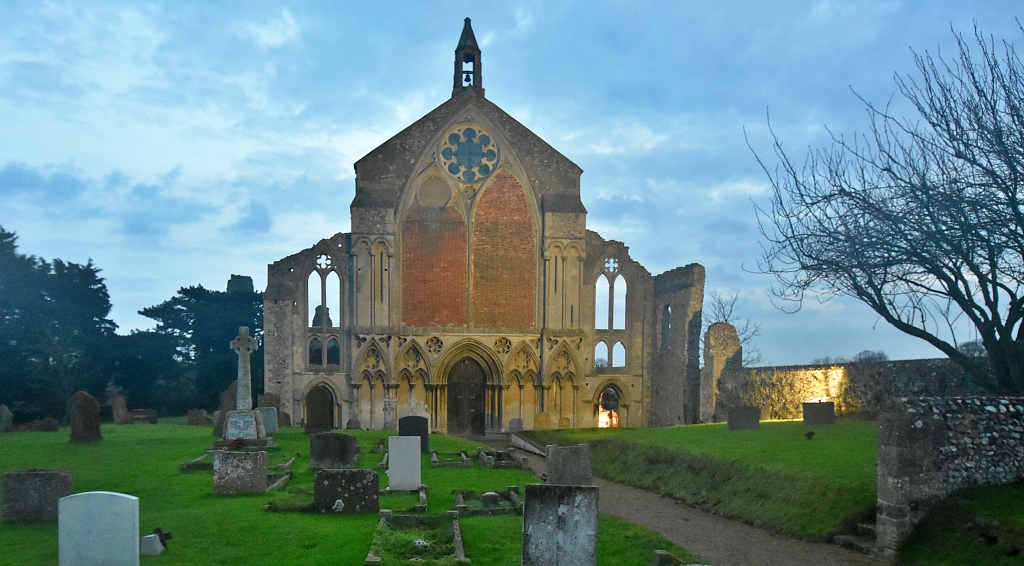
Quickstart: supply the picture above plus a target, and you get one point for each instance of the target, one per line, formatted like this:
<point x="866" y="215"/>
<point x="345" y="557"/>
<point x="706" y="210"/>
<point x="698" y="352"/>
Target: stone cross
<point x="244" y="345"/>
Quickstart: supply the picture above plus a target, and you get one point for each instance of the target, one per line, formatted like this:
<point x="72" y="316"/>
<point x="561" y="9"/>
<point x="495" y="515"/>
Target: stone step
<point x="866" y="529"/>
<point x="865" y="545"/>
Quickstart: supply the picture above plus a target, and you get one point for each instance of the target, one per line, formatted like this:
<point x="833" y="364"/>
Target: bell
<point x="468" y="78"/>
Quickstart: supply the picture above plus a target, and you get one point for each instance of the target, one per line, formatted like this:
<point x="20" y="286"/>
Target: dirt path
<point x="718" y="541"/>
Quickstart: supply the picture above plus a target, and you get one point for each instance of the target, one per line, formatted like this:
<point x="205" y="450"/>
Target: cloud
<point x="274" y="32"/>
<point x="255" y="220"/>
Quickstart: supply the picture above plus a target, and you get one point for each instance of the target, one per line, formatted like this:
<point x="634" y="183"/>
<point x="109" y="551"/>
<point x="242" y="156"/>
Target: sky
<point x="177" y="143"/>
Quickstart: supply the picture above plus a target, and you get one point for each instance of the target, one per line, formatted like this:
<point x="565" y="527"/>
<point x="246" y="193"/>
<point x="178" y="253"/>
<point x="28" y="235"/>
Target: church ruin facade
<point x="469" y="291"/>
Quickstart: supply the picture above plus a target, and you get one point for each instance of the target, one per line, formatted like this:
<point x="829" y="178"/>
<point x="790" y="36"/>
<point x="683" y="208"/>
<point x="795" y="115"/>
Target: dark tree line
<point x="922" y="218"/>
<point x="56" y="338"/>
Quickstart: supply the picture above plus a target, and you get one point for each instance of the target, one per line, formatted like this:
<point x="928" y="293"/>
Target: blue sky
<point x="177" y="143"/>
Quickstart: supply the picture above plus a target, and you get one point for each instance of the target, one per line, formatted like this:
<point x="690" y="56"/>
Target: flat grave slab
<point x="432" y="537"/>
<point x="502" y="459"/>
<point x="501" y="502"/>
<point x="560" y="525"/>
<point x="450" y="460"/>
<point x="31" y="496"/>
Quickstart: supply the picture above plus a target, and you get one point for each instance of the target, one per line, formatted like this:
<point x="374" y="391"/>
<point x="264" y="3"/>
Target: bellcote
<point x="467" y="62"/>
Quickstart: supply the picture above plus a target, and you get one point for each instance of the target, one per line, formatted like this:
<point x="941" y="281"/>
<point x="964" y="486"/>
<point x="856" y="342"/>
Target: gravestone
<point x="416" y="426"/>
<point x="31" y="496"/>
<point x="284" y="419"/>
<point x="98" y="528"/>
<point x="236" y="473"/>
<point x="564" y="423"/>
<point x="119" y="409"/>
<point x="244" y="345"/>
<point x="269" y="419"/>
<point x="560" y="525"/>
<point x="84" y="413"/>
<point x="49" y="424"/>
<point x="515" y="425"/>
<point x="228" y="402"/>
<point x="404" y="463"/>
<point x="198" y="417"/>
<point x="6" y="418"/>
<point x="542" y="421"/>
<point x="143" y="416"/>
<point x="819" y="413"/>
<point x="744" y="418"/>
<point x="270" y="400"/>
<point x="569" y="465"/>
<point x="247" y="425"/>
<point x="332" y="450"/>
<point x="358" y="491"/>
<point x="151" y="545"/>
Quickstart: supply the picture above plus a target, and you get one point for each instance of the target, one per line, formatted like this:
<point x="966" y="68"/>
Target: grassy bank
<point x="143" y="461"/>
<point x="774" y="476"/>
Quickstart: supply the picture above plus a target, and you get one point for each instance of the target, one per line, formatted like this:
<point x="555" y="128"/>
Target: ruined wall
<point x="931" y="447"/>
<point x="675" y="374"/>
<point x="864" y="388"/>
<point x="721" y="350"/>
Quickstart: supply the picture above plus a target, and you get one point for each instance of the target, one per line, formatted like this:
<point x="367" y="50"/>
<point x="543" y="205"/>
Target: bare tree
<point x="922" y="218"/>
<point x="721" y="308"/>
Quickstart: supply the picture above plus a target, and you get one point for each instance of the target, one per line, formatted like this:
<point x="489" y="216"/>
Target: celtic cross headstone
<point x="244" y="345"/>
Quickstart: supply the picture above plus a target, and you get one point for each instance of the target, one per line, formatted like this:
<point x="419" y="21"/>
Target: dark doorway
<point x="319" y="409"/>
<point x="467" y="394"/>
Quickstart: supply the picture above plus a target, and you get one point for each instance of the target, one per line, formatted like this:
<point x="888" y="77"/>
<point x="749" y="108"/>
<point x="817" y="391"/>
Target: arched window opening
<point x="618" y="355"/>
<point x="601" y="355"/>
<point x="619" y="303"/>
<point x="608" y="407"/>
<point x="313" y="284"/>
<point x="666" y="327"/>
<point x="601" y="303"/>
<point x="333" y="304"/>
<point x="333" y="352"/>
<point x="316" y="352"/>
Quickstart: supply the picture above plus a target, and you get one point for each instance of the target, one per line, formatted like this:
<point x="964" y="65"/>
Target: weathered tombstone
<point x="270" y="400"/>
<point x="744" y="418"/>
<point x="31" y="496"/>
<point x="560" y="525"/>
<point x="819" y="413"/>
<point x="269" y="419"/>
<point x="347" y="491"/>
<point x="404" y="463"/>
<point x="98" y="528"/>
<point x="564" y="423"/>
<point x="284" y="419"/>
<point x="569" y="465"/>
<point x="143" y="416"/>
<point x="416" y="426"/>
<point x="119" y="409"/>
<point x="198" y="417"/>
<point x="245" y="425"/>
<point x="228" y="402"/>
<point x="489" y="499"/>
<point x="319" y="410"/>
<point x="237" y="473"/>
<point x="542" y="421"/>
<point x="332" y="450"/>
<point x="6" y="418"/>
<point x="515" y="425"/>
<point x="84" y="414"/>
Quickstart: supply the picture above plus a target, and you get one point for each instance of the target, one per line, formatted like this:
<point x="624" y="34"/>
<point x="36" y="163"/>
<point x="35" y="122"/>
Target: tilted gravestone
<point x="6" y="418"/>
<point x="560" y="525"/>
<point x="269" y="419"/>
<point x="744" y="418"/>
<point x="236" y="473"/>
<point x="819" y="413"/>
<point x="119" y="410"/>
<point x="332" y="450"/>
<point x="416" y="426"/>
<point x="198" y="417"/>
<point x="569" y="465"/>
<point x="347" y="491"/>
<point x="228" y="402"/>
<point x="84" y="413"/>
<point x="404" y="463"/>
<point x="270" y="400"/>
<point x="31" y="496"/>
<point x="98" y="528"/>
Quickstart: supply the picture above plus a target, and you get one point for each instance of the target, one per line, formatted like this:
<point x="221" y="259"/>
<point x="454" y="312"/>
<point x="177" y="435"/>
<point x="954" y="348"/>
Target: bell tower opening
<point x="467" y="62"/>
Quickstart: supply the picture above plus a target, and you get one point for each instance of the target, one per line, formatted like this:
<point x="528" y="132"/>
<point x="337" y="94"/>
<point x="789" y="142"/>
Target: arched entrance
<point x="319" y="409"/>
<point x="467" y="395"/>
<point x="608" y="407"/>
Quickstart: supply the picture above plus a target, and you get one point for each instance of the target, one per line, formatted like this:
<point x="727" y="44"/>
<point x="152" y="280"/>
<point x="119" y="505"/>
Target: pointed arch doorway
<point x="467" y="396"/>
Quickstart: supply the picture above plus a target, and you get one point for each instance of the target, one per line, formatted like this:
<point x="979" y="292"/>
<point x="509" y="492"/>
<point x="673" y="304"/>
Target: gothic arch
<point x="563" y="362"/>
<point x="522" y="358"/>
<point x="624" y="396"/>
<point x="371" y="359"/>
<point x="412" y="358"/>
<point x="326" y="383"/>
<point x="473" y="349"/>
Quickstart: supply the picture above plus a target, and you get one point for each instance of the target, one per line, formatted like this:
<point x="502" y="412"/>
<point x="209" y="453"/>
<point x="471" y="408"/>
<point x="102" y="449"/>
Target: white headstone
<point x="404" y="463"/>
<point x="269" y="419"/>
<point x="98" y="528"/>
<point x="151" y="546"/>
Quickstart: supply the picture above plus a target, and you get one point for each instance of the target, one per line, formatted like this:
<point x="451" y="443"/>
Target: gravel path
<point x="718" y="541"/>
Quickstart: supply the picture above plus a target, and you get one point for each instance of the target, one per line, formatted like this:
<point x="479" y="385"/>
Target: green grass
<point x="772" y="476"/>
<point x="981" y="526"/>
<point x="209" y="530"/>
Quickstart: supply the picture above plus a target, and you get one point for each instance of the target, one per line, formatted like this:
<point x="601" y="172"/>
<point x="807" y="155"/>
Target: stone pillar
<point x="722" y="349"/>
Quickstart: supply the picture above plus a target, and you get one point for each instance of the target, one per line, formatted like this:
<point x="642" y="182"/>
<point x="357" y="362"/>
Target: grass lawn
<point x="143" y="460"/>
<point x="772" y="476"/>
